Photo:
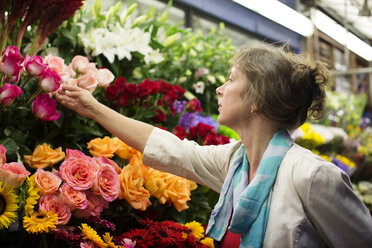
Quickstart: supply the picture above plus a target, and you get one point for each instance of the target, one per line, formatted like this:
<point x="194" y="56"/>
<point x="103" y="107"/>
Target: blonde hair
<point x="286" y="88"/>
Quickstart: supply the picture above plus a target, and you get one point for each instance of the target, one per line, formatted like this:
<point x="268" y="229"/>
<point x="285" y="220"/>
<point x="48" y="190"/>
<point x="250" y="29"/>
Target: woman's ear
<point x="253" y="110"/>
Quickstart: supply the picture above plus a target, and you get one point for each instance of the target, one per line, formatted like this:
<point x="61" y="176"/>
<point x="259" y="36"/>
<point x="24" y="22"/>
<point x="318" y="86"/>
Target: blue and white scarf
<point x="250" y="202"/>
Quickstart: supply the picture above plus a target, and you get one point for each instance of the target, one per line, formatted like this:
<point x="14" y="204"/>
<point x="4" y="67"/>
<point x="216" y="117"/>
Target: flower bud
<point x="8" y="93"/>
<point x="50" y="80"/>
<point x="45" y="108"/>
<point x="34" y="65"/>
<point x="170" y="40"/>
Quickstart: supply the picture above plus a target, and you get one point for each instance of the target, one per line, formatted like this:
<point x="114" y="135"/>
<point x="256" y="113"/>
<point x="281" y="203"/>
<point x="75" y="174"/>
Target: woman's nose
<point x="219" y="91"/>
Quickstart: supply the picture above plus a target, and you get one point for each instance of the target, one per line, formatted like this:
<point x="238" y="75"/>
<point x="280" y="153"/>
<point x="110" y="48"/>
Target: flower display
<point x="8" y="93"/>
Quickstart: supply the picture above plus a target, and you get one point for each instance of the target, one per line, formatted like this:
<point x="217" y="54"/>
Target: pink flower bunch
<point x="80" y="72"/>
<point x="82" y="187"/>
<point x="12" y="65"/>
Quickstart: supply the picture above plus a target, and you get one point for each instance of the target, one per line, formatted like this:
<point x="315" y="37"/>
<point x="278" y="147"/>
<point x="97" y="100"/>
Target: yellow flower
<point x="8" y="206"/>
<point x="91" y="234"/>
<point x="208" y="242"/>
<point x="103" y="147"/>
<point x="108" y="239"/>
<point x="196" y="229"/>
<point x="40" y="222"/>
<point x="32" y="196"/>
<point x="345" y="160"/>
<point x="44" y="156"/>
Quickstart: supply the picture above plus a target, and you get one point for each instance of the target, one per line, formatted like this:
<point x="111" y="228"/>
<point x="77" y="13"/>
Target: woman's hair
<point x="286" y="88"/>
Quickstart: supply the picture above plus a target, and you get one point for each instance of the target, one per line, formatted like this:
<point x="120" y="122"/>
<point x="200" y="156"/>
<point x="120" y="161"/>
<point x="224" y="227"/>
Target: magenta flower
<point x="8" y="93"/>
<point x="12" y="67"/>
<point x="45" y="108"/>
<point x="50" y="80"/>
<point x="34" y="65"/>
<point x="11" y="51"/>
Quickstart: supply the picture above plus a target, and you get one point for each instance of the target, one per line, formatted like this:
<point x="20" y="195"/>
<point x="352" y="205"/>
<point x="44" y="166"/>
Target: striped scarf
<point x="250" y="202"/>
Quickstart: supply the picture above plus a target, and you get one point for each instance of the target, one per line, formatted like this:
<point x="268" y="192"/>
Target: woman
<point x="273" y="193"/>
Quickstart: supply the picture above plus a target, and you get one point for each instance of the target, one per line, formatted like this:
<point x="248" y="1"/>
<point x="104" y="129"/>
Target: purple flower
<point x="8" y="93"/>
<point x="104" y="223"/>
<point x="45" y="108"/>
<point x="188" y="119"/>
<point x="34" y="65"/>
<point x="179" y="106"/>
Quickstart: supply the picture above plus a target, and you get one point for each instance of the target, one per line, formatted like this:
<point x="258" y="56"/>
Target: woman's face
<point x="230" y="102"/>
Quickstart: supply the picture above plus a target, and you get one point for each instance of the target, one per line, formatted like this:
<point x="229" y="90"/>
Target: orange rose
<point x="178" y="191"/>
<point x="168" y="188"/>
<point x="126" y="152"/>
<point x="131" y="185"/>
<point x="44" y="156"/>
<point x="103" y="147"/>
<point x="155" y="183"/>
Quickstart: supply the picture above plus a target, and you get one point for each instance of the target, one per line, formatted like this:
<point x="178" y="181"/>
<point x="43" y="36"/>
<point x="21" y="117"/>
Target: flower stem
<point x="37" y="92"/>
<point x="27" y="79"/>
<point x="44" y="243"/>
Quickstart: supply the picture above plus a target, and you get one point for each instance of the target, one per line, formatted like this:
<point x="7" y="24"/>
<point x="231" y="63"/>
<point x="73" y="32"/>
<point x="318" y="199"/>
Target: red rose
<point x="193" y="105"/>
<point x="203" y="130"/>
<point x="132" y="89"/>
<point x="180" y="132"/>
<point x="160" y="117"/>
<point x="164" y="87"/>
<point x="124" y="98"/>
<point x="120" y="81"/>
<point x="179" y="91"/>
<point x="147" y="87"/>
<point x="112" y="92"/>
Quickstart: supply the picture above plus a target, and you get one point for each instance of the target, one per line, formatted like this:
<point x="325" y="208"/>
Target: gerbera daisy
<point x="8" y="206"/>
<point x="32" y="196"/>
<point x="40" y="222"/>
<point x="196" y="229"/>
<point x="208" y="242"/>
<point x="108" y="239"/>
<point x="91" y="234"/>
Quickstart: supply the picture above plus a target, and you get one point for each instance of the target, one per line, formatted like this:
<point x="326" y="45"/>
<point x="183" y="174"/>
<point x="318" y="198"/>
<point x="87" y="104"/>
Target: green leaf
<point x="18" y="136"/>
<point x="89" y="25"/>
<point x="10" y="145"/>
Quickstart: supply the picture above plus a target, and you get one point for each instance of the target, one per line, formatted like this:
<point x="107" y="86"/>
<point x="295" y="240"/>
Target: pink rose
<point x="34" y="65"/>
<point x="78" y="173"/>
<point x="95" y="206"/>
<point x="80" y="64"/>
<point x="99" y="161"/>
<point x="74" y="198"/>
<point x="8" y="93"/>
<point x="47" y="182"/>
<point x="52" y="203"/>
<point x="50" y="81"/>
<point x="104" y="77"/>
<point x="13" y="174"/>
<point x="55" y="63"/>
<point x="2" y="154"/>
<point x="12" y="67"/>
<point x="106" y="182"/>
<point x="45" y="108"/>
<point x="76" y="154"/>
<point x="88" y="81"/>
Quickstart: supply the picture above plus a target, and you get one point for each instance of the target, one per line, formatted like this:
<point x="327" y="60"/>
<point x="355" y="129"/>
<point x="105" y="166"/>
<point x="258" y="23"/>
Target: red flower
<point x="113" y="90"/>
<point x="147" y="87"/>
<point x="120" y="81"/>
<point x="180" y="132"/>
<point x="201" y="130"/>
<point x="124" y="98"/>
<point x="160" y="117"/>
<point x="215" y="139"/>
<point x="193" y="105"/>
<point x="179" y="91"/>
<point x="132" y="89"/>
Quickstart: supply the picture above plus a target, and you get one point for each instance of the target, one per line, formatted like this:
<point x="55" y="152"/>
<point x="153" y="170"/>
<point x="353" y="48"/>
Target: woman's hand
<point x="78" y="99"/>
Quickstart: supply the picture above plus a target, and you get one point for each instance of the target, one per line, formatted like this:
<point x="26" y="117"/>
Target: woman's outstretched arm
<point x="132" y="132"/>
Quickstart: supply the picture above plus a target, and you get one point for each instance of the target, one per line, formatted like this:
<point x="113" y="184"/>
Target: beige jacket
<point x="312" y="202"/>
